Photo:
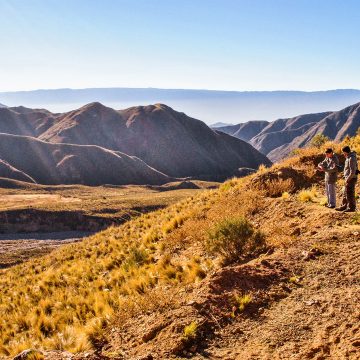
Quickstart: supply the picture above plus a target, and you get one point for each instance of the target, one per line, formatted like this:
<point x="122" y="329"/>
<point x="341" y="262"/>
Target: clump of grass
<point x="285" y="195"/>
<point x="356" y="219"/>
<point x="294" y="280"/>
<point x="243" y="301"/>
<point x="232" y="238"/>
<point x="190" y="331"/>
<point x="262" y="169"/>
<point x="307" y="195"/>
<point x="323" y="201"/>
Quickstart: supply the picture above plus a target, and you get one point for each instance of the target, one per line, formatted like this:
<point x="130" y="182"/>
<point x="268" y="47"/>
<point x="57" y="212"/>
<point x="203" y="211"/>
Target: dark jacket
<point x="330" y="166"/>
<point x="350" y="166"/>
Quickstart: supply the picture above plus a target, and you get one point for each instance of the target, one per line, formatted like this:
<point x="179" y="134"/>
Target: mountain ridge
<point x="167" y="141"/>
<point x="280" y="137"/>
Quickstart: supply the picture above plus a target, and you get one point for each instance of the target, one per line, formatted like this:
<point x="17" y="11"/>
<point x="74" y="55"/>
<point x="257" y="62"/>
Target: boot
<point x="341" y="208"/>
<point x="349" y="210"/>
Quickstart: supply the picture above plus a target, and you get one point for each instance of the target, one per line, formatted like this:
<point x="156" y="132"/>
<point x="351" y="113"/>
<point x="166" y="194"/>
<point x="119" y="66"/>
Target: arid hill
<point x="245" y="131"/>
<point x="23" y="121"/>
<point x="165" y="139"/>
<point x="24" y="157"/>
<point x="9" y="172"/>
<point x="280" y="137"/>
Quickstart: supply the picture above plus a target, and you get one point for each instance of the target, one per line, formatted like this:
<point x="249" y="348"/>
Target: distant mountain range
<point x="278" y="138"/>
<point x="97" y="145"/>
<point x="208" y="105"/>
<point x="2" y="105"/>
<point x="219" y="124"/>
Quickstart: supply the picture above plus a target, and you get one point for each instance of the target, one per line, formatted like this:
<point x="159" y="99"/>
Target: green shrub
<point x="233" y="238"/>
<point x="318" y="140"/>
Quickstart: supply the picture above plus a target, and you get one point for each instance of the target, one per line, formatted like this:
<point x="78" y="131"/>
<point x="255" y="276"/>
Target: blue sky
<point x="198" y="44"/>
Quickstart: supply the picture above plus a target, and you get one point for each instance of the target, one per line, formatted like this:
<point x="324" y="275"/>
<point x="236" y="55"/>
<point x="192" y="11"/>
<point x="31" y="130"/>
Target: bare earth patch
<point x="16" y="248"/>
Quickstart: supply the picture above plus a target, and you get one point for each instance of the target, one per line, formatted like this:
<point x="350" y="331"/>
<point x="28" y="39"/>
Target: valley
<point x="35" y="219"/>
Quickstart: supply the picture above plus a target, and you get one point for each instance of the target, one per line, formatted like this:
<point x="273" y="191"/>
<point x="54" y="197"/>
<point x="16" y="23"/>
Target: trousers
<point x="349" y="195"/>
<point x="331" y="193"/>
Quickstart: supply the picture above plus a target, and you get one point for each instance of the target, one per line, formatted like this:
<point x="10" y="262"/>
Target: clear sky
<point x="199" y="44"/>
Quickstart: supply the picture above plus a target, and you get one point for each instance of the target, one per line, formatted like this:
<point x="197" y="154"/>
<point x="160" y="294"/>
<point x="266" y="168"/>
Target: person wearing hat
<point x="350" y="176"/>
<point x="330" y="167"/>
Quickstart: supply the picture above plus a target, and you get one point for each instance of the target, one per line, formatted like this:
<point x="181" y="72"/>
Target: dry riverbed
<point x="16" y="248"/>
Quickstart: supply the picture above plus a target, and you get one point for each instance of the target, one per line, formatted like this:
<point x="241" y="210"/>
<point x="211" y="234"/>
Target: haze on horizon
<point x="204" y="44"/>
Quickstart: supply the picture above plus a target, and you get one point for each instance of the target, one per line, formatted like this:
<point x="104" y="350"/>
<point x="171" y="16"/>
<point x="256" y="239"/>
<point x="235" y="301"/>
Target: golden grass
<point x="308" y="195"/>
<point x="243" y="301"/>
<point x="64" y="300"/>
<point x="285" y="195"/>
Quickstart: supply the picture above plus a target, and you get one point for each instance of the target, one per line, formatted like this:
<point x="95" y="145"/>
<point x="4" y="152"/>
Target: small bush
<point x="318" y="140"/>
<point x="233" y="238"/>
<point x="356" y="219"/>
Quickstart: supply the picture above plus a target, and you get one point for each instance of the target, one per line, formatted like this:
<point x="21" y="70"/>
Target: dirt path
<point x="16" y="248"/>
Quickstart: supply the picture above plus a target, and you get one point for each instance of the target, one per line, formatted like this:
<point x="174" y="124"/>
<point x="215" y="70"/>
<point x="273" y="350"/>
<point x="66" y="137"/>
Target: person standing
<point x="330" y="166"/>
<point x="350" y="176"/>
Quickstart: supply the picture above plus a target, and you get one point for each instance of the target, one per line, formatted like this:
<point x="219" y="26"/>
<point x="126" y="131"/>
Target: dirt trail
<point x="16" y="248"/>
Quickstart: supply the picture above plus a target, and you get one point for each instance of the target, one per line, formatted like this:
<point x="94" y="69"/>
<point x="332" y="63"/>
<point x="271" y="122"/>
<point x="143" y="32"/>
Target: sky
<point x="190" y="44"/>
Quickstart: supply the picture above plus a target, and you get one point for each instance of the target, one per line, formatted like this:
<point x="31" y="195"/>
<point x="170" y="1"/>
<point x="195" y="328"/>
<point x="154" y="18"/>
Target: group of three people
<point x="330" y="165"/>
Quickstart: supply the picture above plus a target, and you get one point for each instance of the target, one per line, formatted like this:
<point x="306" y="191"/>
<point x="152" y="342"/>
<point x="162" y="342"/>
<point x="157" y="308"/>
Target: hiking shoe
<point x="349" y="210"/>
<point x="341" y="208"/>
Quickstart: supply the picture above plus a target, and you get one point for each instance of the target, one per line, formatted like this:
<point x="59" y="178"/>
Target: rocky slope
<point x="164" y="139"/>
<point x="29" y="159"/>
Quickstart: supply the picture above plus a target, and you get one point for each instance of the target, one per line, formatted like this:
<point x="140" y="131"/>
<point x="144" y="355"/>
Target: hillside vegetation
<point x="163" y="285"/>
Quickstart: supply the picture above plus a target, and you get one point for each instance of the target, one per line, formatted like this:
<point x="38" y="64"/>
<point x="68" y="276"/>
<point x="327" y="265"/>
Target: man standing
<point x="350" y="175"/>
<point x="329" y="166"/>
